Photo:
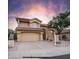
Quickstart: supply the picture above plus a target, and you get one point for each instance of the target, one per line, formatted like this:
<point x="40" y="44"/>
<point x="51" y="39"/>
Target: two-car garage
<point x="29" y="37"/>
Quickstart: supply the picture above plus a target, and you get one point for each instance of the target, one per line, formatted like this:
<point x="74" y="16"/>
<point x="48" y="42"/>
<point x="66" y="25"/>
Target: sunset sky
<point x="41" y="9"/>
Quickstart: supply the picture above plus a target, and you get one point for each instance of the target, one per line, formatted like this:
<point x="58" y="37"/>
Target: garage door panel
<point x="29" y="37"/>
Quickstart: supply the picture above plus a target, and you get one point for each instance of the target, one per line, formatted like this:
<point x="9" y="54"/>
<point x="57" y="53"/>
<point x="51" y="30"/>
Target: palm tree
<point x="60" y="22"/>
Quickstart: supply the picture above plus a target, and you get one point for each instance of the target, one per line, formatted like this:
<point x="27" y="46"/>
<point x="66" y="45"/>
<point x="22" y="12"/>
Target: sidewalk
<point x="38" y="49"/>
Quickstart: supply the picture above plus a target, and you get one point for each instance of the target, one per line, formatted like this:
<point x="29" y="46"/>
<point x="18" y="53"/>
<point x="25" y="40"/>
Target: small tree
<point x="10" y="31"/>
<point x="60" y="22"/>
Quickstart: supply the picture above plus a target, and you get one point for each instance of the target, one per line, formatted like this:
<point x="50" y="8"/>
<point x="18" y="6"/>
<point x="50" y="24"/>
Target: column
<point x="41" y="36"/>
<point x="54" y="38"/>
<point x="57" y="38"/>
<point x="18" y="36"/>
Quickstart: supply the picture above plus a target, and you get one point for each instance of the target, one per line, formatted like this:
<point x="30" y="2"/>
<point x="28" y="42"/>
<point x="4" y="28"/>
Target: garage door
<point x="29" y="36"/>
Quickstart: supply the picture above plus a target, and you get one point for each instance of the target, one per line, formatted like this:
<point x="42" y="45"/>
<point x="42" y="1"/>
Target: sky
<point x="44" y="10"/>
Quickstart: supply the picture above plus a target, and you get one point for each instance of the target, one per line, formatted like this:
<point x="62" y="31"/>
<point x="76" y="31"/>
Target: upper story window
<point x="35" y="25"/>
<point x="24" y="25"/>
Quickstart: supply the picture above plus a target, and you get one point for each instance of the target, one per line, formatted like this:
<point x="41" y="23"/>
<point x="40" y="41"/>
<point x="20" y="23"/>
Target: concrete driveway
<point x="38" y="49"/>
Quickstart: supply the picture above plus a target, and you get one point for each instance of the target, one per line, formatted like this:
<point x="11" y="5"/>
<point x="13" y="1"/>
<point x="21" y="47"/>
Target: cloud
<point x="42" y="9"/>
<point x="37" y="11"/>
<point x="30" y="7"/>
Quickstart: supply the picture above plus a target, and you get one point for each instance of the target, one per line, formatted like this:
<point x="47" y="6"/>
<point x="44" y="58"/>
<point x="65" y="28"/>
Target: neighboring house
<point x="33" y="30"/>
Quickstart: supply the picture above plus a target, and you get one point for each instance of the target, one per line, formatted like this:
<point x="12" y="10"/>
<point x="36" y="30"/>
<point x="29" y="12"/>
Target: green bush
<point x="15" y="36"/>
<point x="64" y="37"/>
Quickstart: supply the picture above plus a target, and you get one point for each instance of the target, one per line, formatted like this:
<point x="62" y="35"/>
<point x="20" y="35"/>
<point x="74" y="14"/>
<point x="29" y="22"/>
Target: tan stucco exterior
<point x="33" y="30"/>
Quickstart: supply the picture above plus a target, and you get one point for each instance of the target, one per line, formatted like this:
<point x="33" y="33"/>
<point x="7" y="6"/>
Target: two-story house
<point x="29" y="29"/>
<point x="33" y="30"/>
